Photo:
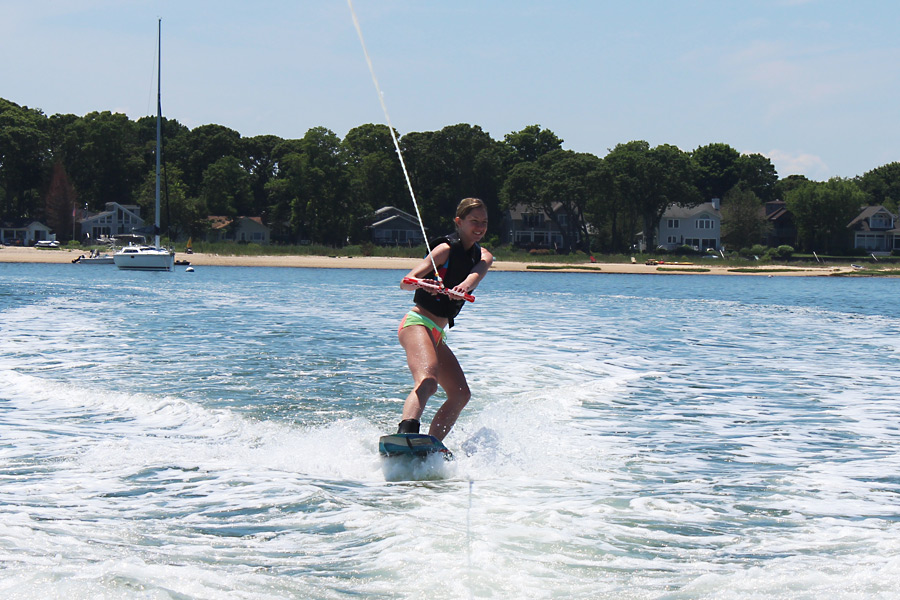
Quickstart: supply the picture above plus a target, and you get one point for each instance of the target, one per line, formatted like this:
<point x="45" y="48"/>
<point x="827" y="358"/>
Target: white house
<point x="116" y="219"/>
<point x="24" y="232"/>
<point x="699" y="226"/>
<point x="874" y="229"/>
<point x="239" y="229"/>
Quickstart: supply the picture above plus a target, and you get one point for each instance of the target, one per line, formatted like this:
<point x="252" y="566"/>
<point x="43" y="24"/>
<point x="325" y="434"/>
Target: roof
<point x="517" y="210"/>
<point x="21" y="223"/>
<point x="862" y="219"/>
<point x="385" y="210"/>
<point x="676" y="211"/>
<point x="409" y="220"/>
<point x="221" y="222"/>
<point x="218" y="222"/>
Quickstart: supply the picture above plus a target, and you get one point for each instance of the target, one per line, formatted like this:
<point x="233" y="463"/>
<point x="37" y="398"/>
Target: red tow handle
<point x="430" y="285"/>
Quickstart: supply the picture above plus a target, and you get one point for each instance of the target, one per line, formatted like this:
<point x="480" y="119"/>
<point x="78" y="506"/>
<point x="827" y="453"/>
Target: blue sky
<point x="812" y="84"/>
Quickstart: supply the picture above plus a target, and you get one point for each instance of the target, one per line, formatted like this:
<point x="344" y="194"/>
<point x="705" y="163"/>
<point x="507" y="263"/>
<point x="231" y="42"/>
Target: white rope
<point x="394" y="138"/>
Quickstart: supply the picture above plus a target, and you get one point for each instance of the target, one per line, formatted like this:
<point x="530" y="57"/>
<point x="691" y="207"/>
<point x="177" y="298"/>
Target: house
<point x="24" y="232"/>
<point x="698" y="226"/>
<point x="525" y="227"/>
<point x="393" y="227"/>
<point x="115" y="220"/>
<point x="240" y="229"/>
<point x="783" y="231"/>
<point x="875" y="230"/>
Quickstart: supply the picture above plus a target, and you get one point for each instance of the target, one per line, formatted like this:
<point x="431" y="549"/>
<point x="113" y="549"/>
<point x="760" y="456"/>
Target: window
<point x="532" y="219"/>
<point x="563" y="220"/>
<point x="870" y="241"/>
<point x="881" y="222"/>
<point x="704" y="223"/>
<point x="673" y="223"/>
<point x="672" y="239"/>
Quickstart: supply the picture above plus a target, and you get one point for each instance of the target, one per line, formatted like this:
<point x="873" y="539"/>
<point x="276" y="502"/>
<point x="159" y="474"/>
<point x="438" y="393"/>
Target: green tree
<point x="743" y="220"/>
<point x="791" y="182"/>
<point x="531" y="143"/>
<point x="196" y="150"/>
<point x="822" y="212"/>
<point x="604" y="213"/>
<point x="758" y="174"/>
<point x="283" y="195"/>
<point x="375" y="178"/>
<point x="625" y="178"/>
<point x="180" y="215"/>
<point x="325" y="187"/>
<point x="561" y="185"/>
<point x="646" y="181"/>
<point x="258" y="158"/>
<point x="226" y="188"/>
<point x="447" y="166"/>
<point x="60" y="203"/>
<point x="882" y="185"/>
<point x="718" y="169"/>
<point x="102" y="155"/>
<point x="24" y="159"/>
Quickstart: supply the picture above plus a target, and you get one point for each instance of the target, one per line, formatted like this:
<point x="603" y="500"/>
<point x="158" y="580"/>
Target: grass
<point x="869" y="273"/>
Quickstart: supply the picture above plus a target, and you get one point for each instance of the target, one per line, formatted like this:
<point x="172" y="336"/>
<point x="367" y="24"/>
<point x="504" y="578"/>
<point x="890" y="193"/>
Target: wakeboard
<point x="417" y="445"/>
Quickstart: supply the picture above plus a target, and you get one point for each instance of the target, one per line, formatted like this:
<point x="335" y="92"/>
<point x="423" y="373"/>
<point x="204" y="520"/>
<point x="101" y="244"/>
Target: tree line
<point x="325" y="189"/>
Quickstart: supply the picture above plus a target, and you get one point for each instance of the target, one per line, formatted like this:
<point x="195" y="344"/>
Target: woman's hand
<point x="432" y="287"/>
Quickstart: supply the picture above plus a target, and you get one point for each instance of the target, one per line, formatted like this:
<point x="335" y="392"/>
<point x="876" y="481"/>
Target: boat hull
<point x="145" y="260"/>
<point x="101" y="260"/>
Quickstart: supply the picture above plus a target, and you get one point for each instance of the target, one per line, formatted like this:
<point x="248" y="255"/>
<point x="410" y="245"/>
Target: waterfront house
<point x="115" y="220"/>
<point x="697" y="226"/>
<point x="393" y="227"/>
<point x="24" y="232"/>
<point x="526" y="227"/>
<point x="875" y="230"/>
<point x="783" y="230"/>
<point x="240" y="229"/>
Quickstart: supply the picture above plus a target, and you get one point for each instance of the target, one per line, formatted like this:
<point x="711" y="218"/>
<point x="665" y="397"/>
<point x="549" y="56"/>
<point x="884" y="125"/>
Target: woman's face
<point x="473" y="226"/>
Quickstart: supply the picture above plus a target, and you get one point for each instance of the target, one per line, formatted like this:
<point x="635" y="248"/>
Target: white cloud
<point x="788" y="163"/>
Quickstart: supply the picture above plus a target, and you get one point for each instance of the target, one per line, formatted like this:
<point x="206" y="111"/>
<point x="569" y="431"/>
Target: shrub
<point x="784" y="251"/>
<point x="685" y="250"/>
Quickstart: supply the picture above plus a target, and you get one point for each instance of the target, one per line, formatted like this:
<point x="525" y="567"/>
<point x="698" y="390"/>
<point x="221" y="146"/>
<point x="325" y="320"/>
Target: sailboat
<point x="150" y="258"/>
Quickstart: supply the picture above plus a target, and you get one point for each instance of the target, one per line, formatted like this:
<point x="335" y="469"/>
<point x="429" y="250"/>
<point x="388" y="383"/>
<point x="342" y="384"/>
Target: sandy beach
<point x="13" y="254"/>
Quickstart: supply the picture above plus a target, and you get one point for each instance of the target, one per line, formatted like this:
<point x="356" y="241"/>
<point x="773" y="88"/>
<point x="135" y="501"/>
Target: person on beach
<point x="462" y="264"/>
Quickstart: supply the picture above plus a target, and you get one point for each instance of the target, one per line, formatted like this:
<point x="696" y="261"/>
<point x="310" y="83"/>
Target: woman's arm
<point x="440" y="254"/>
<point x="476" y="274"/>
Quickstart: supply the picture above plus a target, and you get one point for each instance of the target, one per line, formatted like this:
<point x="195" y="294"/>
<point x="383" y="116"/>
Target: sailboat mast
<point x="158" y="123"/>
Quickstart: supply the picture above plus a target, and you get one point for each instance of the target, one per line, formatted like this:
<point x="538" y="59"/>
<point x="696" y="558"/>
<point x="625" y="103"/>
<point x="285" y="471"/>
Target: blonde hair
<point x="468" y="205"/>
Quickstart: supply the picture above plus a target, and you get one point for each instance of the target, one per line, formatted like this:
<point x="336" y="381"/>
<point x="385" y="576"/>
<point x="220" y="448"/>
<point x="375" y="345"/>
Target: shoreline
<point x="15" y="254"/>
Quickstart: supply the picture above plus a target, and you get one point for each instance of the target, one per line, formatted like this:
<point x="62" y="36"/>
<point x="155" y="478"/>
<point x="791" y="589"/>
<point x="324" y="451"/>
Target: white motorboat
<point x="145" y="258"/>
<point x="150" y="258"/>
<point x="95" y="258"/>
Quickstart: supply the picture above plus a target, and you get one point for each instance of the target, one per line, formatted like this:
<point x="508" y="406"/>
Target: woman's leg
<point x="422" y="359"/>
<point x="452" y="379"/>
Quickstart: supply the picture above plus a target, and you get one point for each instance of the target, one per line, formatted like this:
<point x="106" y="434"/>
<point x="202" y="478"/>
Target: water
<point x="214" y="435"/>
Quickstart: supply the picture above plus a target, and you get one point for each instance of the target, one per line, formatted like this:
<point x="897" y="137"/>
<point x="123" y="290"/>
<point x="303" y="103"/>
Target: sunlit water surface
<point x="214" y="435"/>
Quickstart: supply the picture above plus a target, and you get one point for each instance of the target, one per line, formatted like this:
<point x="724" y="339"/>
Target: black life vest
<point x="456" y="268"/>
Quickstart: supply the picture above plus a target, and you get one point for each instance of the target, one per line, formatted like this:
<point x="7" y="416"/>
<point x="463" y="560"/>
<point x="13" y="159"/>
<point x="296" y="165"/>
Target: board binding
<point x="419" y="445"/>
